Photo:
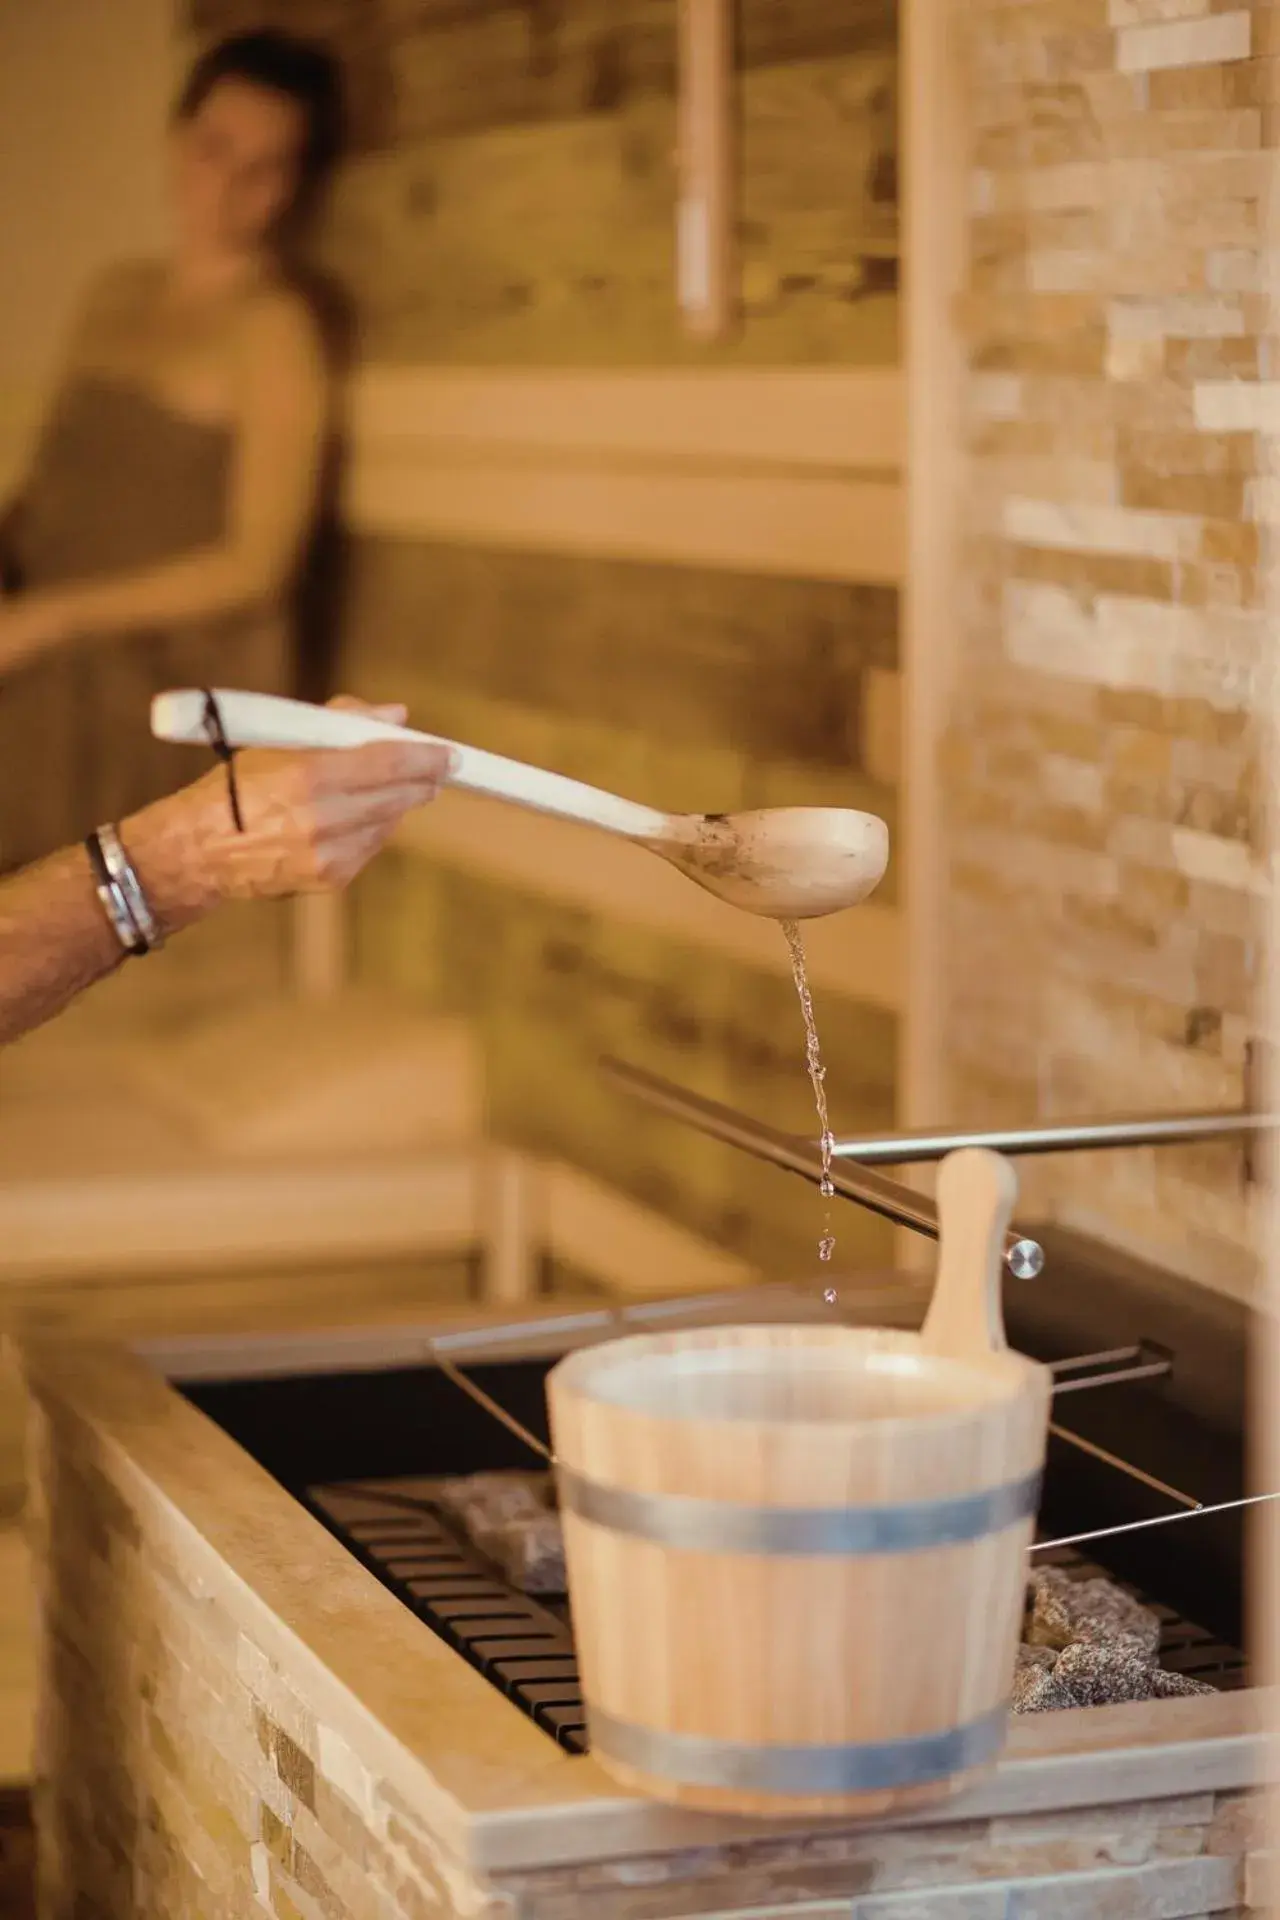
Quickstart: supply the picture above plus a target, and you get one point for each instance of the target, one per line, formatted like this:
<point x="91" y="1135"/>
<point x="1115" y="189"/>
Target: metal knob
<point x="1025" y="1259"/>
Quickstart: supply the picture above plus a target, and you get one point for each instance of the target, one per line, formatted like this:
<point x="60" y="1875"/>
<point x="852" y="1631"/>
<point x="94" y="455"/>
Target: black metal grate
<point x="522" y="1646"/>
<point x="525" y="1647"/>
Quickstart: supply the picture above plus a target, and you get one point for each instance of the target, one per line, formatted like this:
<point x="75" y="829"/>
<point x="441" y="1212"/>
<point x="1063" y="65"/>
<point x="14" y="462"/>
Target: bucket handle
<point x="977" y="1190"/>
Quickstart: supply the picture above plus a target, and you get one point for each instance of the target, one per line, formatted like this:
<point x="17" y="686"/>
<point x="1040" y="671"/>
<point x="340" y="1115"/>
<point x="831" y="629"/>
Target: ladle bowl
<point x="786" y="863"/>
<point x="791" y="863"/>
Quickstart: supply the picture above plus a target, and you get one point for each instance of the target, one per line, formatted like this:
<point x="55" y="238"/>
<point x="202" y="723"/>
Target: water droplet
<point x="817" y="1077"/>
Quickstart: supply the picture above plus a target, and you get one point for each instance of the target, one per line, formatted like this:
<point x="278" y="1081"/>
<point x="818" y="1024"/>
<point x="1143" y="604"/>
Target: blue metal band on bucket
<point x="692" y="1760"/>
<point x="717" y="1526"/>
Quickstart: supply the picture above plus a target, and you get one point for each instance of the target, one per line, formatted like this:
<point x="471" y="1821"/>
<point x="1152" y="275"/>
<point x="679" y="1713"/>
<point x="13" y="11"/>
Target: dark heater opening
<point x="307" y="1428"/>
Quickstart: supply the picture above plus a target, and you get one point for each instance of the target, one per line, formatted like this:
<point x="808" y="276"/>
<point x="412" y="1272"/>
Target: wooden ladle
<point x="788" y="863"/>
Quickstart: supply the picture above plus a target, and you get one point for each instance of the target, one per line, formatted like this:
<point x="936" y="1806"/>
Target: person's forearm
<point x="56" y="940"/>
<point x="203" y="585"/>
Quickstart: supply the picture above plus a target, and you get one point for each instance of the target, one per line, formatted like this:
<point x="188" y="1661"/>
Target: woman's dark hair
<point x="301" y="71"/>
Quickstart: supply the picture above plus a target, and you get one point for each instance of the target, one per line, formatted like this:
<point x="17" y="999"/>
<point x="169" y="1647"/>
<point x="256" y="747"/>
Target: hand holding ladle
<point x="786" y="863"/>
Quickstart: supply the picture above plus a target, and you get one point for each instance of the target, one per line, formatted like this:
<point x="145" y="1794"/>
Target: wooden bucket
<point x="797" y="1555"/>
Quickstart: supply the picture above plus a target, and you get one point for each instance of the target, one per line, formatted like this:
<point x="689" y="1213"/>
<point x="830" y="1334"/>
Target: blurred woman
<point x="161" y="527"/>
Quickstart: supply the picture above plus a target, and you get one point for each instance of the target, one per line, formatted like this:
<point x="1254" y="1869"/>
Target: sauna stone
<point x="508" y="1517"/>
<point x="1104" y="1674"/>
<point x="1065" y="1611"/>
<point x="531" y="1554"/>
<point x="1092" y="1673"/>
<point x="1036" y="1689"/>
<point x="485" y="1502"/>
<point x="1089" y="1644"/>
<point x="1175" y="1686"/>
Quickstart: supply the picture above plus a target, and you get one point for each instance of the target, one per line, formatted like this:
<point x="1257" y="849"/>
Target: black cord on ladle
<point x="224" y="751"/>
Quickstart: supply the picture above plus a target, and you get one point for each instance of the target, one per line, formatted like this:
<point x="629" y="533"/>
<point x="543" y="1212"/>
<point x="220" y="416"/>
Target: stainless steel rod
<point x="1187" y="1503"/>
<point x="1187" y="1500"/>
<point x="1087" y="1382"/>
<point x="1076" y="1136"/>
<point x="876" y="1192"/>
<point x="490" y="1406"/>
<point x="1110" y="1356"/>
<point x="1197" y="1512"/>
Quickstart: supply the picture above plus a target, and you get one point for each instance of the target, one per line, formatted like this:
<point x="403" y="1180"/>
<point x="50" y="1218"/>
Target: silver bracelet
<point x="124" y="874"/>
<point x="120" y="891"/>
<point x="114" y="905"/>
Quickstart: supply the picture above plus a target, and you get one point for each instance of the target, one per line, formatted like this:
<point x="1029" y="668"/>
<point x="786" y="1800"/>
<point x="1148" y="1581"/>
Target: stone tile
<point x="1262" y="500"/>
<point x="1262" y="1881"/>
<point x="1222" y="863"/>
<point x="1241" y="82"/>
<point x="1135" y="13"/>
<point x="287" y="1716"/>
<point x="803" y="1910"/>
<point x="1101" y="529"/>
<point x="1231" y="543"/>
<point x="995" y="397"/>
<point x="1205" y="494"/>
<point x="1094" y="574"/>
<point x="1191" y="130"/>
<point x="344" y="1770"/>
<point x="1237" y="270"/>
<point x="355" y="1839"/>
<point x="1198" y="362"/>
<point x="1130" y="643"/>
<point x="1232" y="406"/>
<point x="938" y="1903"/>
<point x="1136" y="358"/>
<point x="1240" y="1824"/>
<point x="1168" y="1891"/>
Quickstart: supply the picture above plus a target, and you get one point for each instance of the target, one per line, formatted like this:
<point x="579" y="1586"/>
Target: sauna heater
<point x="1149" y="1423"/>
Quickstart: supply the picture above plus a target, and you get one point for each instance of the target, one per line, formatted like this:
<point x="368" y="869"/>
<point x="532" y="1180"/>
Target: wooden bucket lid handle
<point x="977" y="1190"/>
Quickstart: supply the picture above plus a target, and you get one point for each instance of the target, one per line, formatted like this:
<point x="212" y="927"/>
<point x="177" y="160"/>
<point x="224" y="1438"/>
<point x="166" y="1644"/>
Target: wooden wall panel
<point x="554" y="244"/>
<point x="758" y="671"/>
<point x="420" y="68"/>
<point x="511" y="195"/>
<point x="810" y="420"/>
<point x="784" y="471"/>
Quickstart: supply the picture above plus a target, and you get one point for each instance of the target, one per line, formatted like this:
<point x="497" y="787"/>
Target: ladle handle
<point x="977" y="1190"/>
<point x="266" y="720"/>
